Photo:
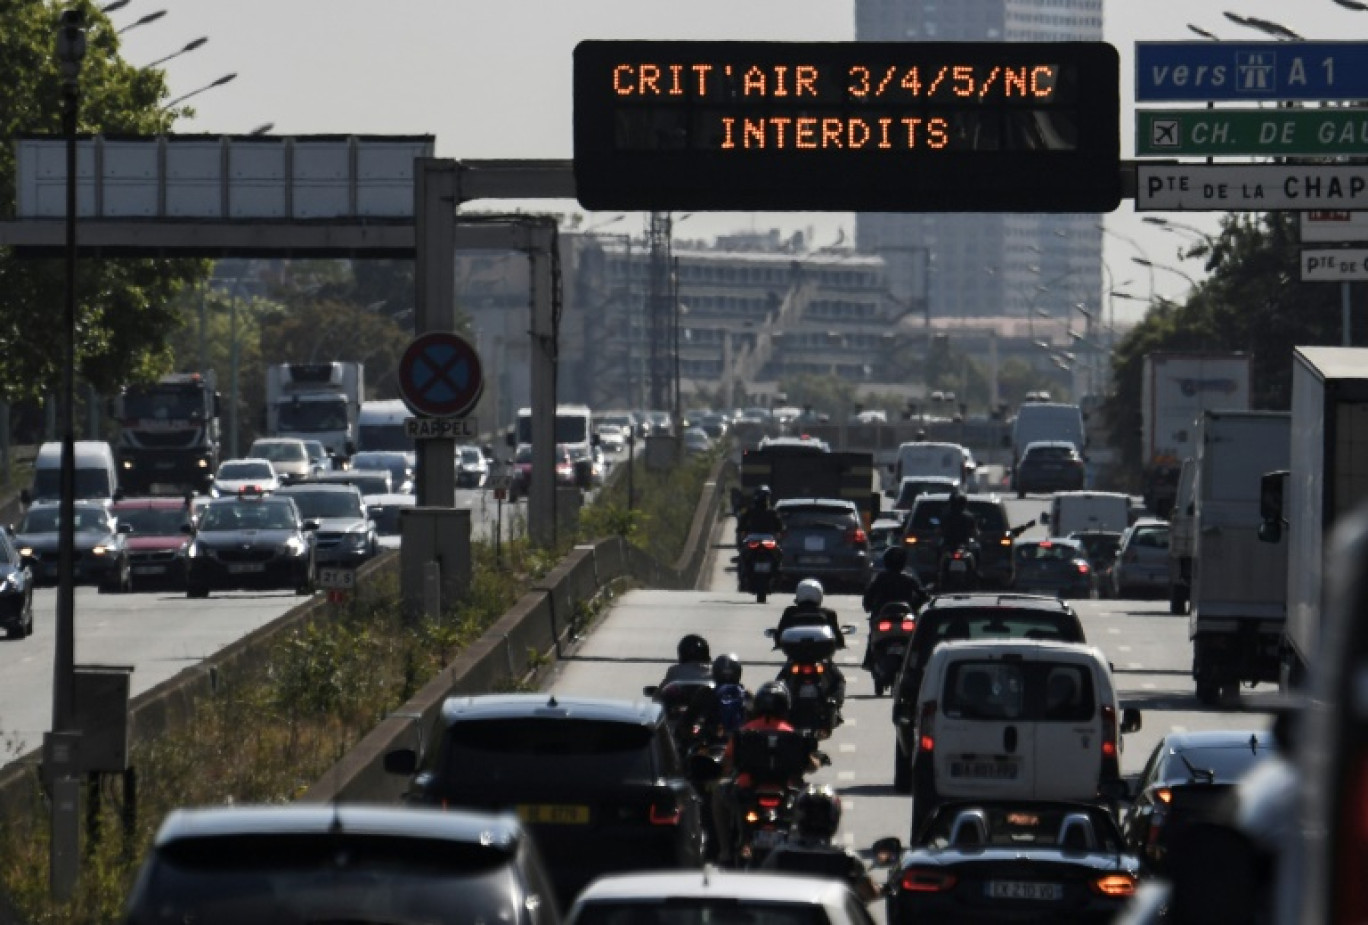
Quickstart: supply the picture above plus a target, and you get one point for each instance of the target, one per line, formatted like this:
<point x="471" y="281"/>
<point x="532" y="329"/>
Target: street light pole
<point x="226" y="78"/>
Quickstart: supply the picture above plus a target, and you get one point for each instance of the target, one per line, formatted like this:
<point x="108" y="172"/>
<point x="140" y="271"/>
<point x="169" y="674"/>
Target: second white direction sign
<point x="1334" y="266"/>
<point x="1253" y="187"/>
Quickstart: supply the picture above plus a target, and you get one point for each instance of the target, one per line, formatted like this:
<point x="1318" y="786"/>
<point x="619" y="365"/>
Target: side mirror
<point x="650" y="690"/>
<point x="1130" y="720"/>
<point x="401" y="761"/>
<point x="849" y="629"/>
<point x="1045" y="517"/>
<point x="886" y="851"/>
<point x="310" y="525"/>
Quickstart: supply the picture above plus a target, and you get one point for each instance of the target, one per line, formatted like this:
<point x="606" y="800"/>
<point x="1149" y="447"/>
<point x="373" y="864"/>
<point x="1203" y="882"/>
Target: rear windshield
<point x="1227" y="764"/>
<point x="1037" y="453"/>
<point x="1048" y="552"/>
<point x="994" y="623"/>
<point x="288" y="878"/>
<point x="682" y="911"/>
<point x="927" y="515"/>
<point x="1019" y="691"/>
<point x="1150" y="538"/>
<point x="835" y="517"/>
<point x="507" y="751"/>
<point x="1028" y="825"/>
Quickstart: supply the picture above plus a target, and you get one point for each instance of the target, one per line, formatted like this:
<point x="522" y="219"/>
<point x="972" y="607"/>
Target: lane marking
<point x="1149" y="685"/>
<point x="845" y="775"/>
<point x="846" y="747"/>
<point x="1123" y="648"/>
<point x="1133" y="666"/>
<point x="1114" y="630"/>
<point x="1178" y="729"/>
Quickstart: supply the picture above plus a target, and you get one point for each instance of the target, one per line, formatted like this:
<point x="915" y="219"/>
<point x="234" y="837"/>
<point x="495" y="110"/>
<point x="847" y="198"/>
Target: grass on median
<point x="268" y="737"/>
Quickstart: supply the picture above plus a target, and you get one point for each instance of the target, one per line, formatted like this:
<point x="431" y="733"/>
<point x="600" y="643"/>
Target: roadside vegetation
<point x="266" y="738"/>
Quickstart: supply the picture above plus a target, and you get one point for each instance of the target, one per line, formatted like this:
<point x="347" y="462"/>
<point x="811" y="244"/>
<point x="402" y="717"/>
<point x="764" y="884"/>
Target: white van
<point x="1085" y="511"/>
<point x="380" y="426"/>
<point x="944" y="460"/>
<point x="1017" y="719"/>
<point x="97" y="475"/>
<point x="1038" y="422"/>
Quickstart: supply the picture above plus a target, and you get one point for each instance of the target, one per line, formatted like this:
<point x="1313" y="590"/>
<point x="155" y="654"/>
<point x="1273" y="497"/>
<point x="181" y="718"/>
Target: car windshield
<point x="386" y="518"/>
<point x="327" y="503"/>
<point x="48" y="519"/>
<point x="1226" y="764"/>
<point x="471" y="455"/>
<point x="154" y="521"/>
<point x="311" y="417"/>
<point x="994" y="623"/>
<point x="721" y="910"/>
<point x="90" y="483"/>
<point x="1101" y="547"/>
<point x="1049" y="453"/>
<point x="521" y="751"/>
<point x="247" y="516"/>
<point x="370" y="484"/>
<point x="280" y="452"/>
<point x="1029" y="825"/>
<point x="1149" y="538"/>
<point x="333" y="878"/>
<point x="245" y="470"/>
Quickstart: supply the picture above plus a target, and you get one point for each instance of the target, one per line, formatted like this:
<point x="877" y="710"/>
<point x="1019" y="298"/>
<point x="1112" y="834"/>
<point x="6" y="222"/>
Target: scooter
<point x="776" y="763"/>
<point x="959" y="569"/>
<point x="759" y="564"/>
<point x="807" y="674"/>
<point x="890" y="630"/>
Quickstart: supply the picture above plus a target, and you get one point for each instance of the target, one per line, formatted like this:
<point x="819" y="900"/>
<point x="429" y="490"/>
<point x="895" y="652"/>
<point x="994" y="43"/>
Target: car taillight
<point x="885" y="626"/>
<point x="666" y="815"/>
<point x="1114" y="885"/>
<point x="927" y="880"/>
<point x="768" y="544"/>
<point x="769" y="801"/>
<point x="1109" y="733"/>
<point x="909" y="625"/>
<point x="1082" y="567"/>
<point x="909" y="541"/>
<point x="926" y="733"/>
<point x="856" y="536"/>
<point x="1164" y="795"/>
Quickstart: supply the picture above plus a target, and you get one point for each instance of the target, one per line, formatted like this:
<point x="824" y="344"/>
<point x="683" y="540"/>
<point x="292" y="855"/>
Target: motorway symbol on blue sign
<point x="440" y="375"/>
<point x="1228" y="71"/>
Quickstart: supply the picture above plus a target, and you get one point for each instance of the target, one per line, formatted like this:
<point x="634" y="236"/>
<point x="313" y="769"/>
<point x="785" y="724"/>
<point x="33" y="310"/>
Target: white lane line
<point x="846" y="747"/>
<point x="1149" y="685"/>
<point x="1123" y="648"/>
<point x="850" y="721"/>
<point x="1178" y="729"/>
<point x="1134" y="666"/>
<point x="1114" y="630"/>
<point x="845" y="775"/>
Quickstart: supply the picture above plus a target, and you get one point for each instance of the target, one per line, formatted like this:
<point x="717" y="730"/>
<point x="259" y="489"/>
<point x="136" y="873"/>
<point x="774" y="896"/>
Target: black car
<point x="1187" y="777"/>
<point x="968" y="616"/>
<point x="824" y="538"/>
<point x="1049" y="466"/>
<point x="16" y="591"/>
<point x="597" y="781"/>
<point x="340" y="863"/>
<point x="250" y="541"/>
<point x="1054" y="566"/>
<point x="997" y="537"/>
<point x="346" y="535"/>
<point x="100" y="545"/>
<point x="1012" y="861"/>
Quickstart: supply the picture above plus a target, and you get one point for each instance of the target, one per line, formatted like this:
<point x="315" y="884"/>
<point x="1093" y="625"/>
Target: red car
<point x="522" y="470"/>
<point x="157" y="542"/>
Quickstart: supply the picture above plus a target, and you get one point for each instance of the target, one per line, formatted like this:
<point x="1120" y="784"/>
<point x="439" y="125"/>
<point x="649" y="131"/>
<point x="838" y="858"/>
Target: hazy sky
<point x="491" y="79"/>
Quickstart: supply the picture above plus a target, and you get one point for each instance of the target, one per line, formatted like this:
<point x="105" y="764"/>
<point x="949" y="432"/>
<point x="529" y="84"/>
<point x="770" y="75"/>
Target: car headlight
<point x="294" y="546"/>
<point x="191" y="550"/>
<point x="26" y="552"/>
<point x="101" y="550"/>
<point x="355" y="539"/>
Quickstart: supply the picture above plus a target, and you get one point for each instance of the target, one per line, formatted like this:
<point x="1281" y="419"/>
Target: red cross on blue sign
<point x="440" y="375"/>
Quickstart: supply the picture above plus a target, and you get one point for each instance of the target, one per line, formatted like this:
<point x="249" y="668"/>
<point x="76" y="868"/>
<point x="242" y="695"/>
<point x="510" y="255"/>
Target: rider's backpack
<point x="731" y="705"/>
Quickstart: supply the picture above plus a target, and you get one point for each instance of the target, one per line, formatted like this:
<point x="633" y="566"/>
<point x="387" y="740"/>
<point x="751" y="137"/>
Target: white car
<point x="472" y="469"/>
<point x="1017" y="719"/>
<point x="717" y="896"/>
<point x="236" y="474"/>
<point x="612" y="437"/>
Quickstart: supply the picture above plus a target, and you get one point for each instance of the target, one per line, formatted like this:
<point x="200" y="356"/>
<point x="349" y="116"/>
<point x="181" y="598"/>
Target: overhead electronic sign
<point x="867" y="126"/>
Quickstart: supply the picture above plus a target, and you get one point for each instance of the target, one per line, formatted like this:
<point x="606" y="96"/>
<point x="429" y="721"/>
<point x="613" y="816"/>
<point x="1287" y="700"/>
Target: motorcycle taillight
<point x="770" y="800"/>
<point x="909" y="625"/>
<point x="885" y="626"/>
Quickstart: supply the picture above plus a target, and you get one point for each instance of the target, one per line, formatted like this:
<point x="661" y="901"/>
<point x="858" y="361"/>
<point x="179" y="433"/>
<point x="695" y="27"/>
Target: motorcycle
<point x="776" y="763"/>
<point x="807" y="673"/>
<point x="759" y="564"/>
<point x="959" y="569"/>
<point x="890" y="630"/>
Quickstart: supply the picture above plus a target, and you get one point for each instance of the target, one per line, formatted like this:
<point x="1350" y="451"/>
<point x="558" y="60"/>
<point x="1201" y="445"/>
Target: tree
<point x="125" y="307"/>
<point x="1253" y="301"/>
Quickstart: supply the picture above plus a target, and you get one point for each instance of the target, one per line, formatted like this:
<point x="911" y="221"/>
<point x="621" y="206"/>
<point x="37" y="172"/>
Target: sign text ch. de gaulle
<point x="877" y="126"/>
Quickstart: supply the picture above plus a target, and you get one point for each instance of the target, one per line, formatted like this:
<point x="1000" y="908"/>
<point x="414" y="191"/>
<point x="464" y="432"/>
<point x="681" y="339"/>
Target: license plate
<point x="245" y="568"/>
<point x="813" y="560"/>
<point x="814" y="543"/>
<point x="985" y="770"/>
<point x="1024" y="889"/>
<point x="766" y="838"/>
<point x="808" y="692"/>
<point x="761" y="568"/>
<point x="165" y="465"/>
<point x="958" y="565"/>
<point x="149" y="569"/>
<point x="553" y="813"/>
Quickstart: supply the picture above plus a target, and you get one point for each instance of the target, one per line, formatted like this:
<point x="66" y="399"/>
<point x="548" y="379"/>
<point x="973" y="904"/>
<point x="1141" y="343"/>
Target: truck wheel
<point x="1209" y="693"/>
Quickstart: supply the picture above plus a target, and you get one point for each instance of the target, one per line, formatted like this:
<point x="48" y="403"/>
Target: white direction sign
<point x="1334" y="266"/>
<point x="1252" y="187"/>
<point x="1334" y="227"/>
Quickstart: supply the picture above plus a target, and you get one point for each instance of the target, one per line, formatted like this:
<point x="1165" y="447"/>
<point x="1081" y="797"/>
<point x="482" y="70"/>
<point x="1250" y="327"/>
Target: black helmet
<point x="693" y="648"/>
<point x="726" y="669"/>
<point x="895" y="559"/>
<point x="761" y="496"/>
<point x="772" y="700"/>
<point x="817" y="812"/>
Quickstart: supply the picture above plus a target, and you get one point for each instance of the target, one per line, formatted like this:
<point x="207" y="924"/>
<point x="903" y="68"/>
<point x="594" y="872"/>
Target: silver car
<point x="1141" y="567"/>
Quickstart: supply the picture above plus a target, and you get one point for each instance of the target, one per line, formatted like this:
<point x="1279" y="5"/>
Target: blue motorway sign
<point x="1228" y="71"/>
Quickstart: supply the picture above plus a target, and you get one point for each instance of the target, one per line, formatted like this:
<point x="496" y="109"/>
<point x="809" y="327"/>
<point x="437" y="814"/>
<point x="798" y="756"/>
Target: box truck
<point x="316" y="401"/>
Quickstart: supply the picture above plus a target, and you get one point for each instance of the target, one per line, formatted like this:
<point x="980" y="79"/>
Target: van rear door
<point x="984" y="741"/>
<point x="1068" y="738"/>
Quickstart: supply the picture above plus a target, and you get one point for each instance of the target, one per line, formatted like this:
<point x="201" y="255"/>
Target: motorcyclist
<point x="891" y="584"/>
<point x="816" y="816"/>
<point x="734" y="702"/>
<point x="807" y="610"/>
<point x="759" y="517"/>
<point x="957" y="528"/>
<point x="695" y="662"/>
<point x="770" y="714"/>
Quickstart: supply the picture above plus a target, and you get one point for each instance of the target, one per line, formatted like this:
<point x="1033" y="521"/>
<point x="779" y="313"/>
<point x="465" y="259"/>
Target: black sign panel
<point x="862" y="126"/>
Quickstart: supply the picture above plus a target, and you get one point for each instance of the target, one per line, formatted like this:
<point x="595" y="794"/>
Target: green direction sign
<point x="1245" y="132"/>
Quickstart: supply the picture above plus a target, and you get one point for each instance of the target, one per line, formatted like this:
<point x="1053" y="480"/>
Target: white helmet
<point x="809" y="591"/>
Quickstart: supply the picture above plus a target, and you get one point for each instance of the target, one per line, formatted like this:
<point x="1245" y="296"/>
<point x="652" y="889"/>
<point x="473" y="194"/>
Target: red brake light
<point x="885" y="625"/>
<point x="768" y="544"/>
<point x="909" y="625"/>
<point x="1109" y="732"/>
<point x="857" y="536"/>
<point x="1046" y="544"/>
<point x="927" y="880"/>
<point x="926" y="733"/>
<point x="1082" y="567"/>
<point x="769" y="801"/>
<point x="665" y="815"/>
